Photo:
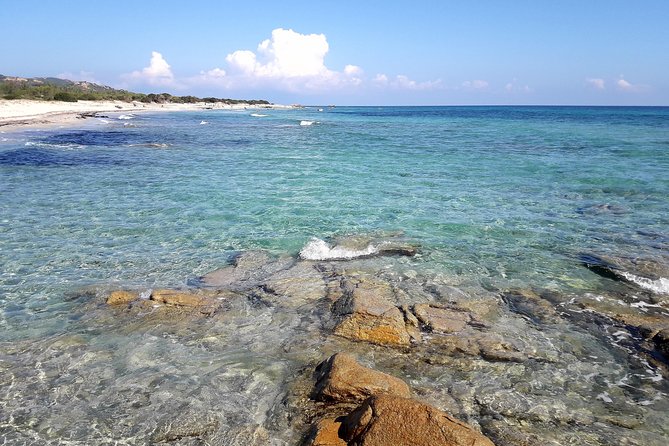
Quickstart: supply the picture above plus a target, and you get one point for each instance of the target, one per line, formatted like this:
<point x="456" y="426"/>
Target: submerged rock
<point x="628" y="269"/>
<point x="182" y="298"/>
<point x="442" y="319"/>
<point x="530" y="304"/>
<point x="341" y="378"/>
<point x="384" y="420"/>
<point x="300" y="284"/>
<point x="248" y="270"/>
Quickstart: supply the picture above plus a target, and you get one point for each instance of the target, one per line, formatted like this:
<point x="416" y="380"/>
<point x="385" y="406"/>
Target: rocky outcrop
<point x="342" y="378"/>
<point x="384" y="420"/>
<point x="366" y="314"/>
<point x="387" y="415"/>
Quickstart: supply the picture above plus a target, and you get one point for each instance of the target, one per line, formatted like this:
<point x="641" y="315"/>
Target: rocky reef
<point x="364" y="350"/>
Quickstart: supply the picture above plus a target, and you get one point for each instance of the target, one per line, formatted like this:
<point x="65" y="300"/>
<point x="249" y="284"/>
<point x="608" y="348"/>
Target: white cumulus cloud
<point x="596" y="83"/>
<point x="290" y="61"/>
<point x="287" y="54"/>
<point x="158" y="72"/>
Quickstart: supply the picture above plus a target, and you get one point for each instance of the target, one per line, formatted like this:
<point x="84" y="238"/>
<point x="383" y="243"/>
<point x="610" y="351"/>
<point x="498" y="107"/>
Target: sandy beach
<point x="29" y="113"/>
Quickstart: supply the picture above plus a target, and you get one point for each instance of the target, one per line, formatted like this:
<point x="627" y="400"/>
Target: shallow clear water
<point x="497" y="197"/>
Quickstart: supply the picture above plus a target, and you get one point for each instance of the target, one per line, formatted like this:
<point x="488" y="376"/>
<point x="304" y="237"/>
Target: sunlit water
<point x="496" y="197"/>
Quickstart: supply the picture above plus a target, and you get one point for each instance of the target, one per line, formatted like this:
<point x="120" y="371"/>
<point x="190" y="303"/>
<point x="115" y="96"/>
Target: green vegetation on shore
<point x="55" y="89"/>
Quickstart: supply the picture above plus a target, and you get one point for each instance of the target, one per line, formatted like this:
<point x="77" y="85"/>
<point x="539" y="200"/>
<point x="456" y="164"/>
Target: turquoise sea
<point x="496" y="198"/>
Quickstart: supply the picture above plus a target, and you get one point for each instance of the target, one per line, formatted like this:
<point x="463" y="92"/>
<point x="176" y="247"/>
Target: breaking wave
<point x="659" y="286"/>
<point x="307" y="122"/>
<point x="318" y="249"/>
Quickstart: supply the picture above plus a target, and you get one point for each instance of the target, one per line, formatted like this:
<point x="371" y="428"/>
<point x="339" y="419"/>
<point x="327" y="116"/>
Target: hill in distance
<point x="56" y="89"/>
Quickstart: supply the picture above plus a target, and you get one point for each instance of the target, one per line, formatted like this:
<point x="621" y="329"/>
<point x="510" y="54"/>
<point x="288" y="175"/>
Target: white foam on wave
<point x="126" y="117"/>
<point x="318" y="249"/>
<point x="53" y="146"/>
<point x="258" y="115"/>
<point x="659" y="286"/>
<point x="307" y="122"/>
<point x="204" y="122"/>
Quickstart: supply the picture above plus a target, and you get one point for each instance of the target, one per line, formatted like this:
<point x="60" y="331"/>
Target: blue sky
<point x="352" y="52"/>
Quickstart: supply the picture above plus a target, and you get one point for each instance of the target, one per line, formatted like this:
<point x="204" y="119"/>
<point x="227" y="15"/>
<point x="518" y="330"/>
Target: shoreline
<point x="24" y="113"/>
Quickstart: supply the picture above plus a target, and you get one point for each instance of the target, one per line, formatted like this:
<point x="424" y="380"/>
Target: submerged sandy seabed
<point x="21" y="113"/>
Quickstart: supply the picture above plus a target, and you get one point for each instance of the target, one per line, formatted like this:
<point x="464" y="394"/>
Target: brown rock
<point x="442" y="319"/>
<point x="326" y="433"/>
<point x="364" y="316"/>
<point x="384" y="420"/>
<point x="122" y="297"/>
<point x="181" y="298"/>
<point x="342" y="378"/>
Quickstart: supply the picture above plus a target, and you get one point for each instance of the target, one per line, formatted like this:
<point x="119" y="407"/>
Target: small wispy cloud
<point x="403" y="82"/>
<point x="476" y="84"/>
<point x="596" y="83"/>
<point x="515" y="87"/>
<point x="625" y="85"/>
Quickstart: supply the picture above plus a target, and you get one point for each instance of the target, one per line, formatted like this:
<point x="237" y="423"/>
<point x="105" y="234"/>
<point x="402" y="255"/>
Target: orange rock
<point x="326" y="433"/>
<point x="384" y="420"/>
<point x="180" y="298"/>
<point x="122" y="297"/>
<point x="367" y="315"/>
<point x="342" y="378"/>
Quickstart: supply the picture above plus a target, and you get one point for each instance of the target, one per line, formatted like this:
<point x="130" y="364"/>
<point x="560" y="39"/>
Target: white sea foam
<point x="659" y="286"/>
<point x="307" y="122"/>
<point x="258" y="115"/>
<point x="203" y="122"/>
<point x="318" y="249"/>
<point x="126" y="117"/>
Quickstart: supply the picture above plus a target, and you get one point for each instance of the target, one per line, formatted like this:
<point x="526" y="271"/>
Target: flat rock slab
<point x="366" y="314"/>
<point x="297" y="285"/>
<point x="182" y="298"/>
<point x="341" y="378"/>
<point x="442" y="319"/>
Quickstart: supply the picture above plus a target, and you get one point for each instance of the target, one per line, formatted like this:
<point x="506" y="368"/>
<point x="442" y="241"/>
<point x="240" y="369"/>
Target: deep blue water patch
<point x="45" y="157"/>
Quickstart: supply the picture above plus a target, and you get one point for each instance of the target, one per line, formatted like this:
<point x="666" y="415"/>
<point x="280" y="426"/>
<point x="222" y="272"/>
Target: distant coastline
<point x="46" y="101"/>
<point x="20" y="113"/>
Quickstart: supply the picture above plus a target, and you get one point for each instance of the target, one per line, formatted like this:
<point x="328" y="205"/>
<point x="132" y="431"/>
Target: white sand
<point x="20" y="113"/>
